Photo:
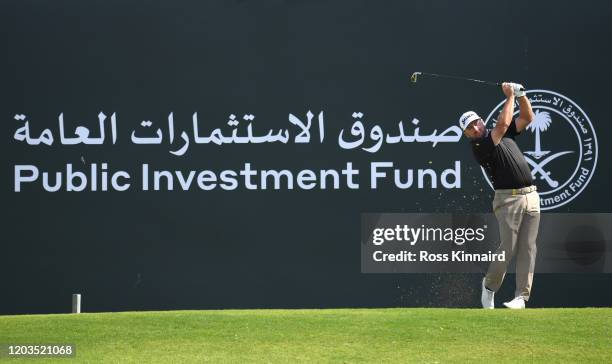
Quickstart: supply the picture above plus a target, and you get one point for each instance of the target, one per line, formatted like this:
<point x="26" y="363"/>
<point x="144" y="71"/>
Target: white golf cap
<point x="467" y="118"/>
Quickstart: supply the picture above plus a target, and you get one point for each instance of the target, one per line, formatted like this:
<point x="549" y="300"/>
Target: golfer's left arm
<point x="525" y="113"/>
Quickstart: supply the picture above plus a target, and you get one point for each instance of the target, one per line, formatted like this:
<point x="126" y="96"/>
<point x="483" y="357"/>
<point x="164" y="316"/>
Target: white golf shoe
<point x="516" y="304"/>
<point x="487" y="297"/>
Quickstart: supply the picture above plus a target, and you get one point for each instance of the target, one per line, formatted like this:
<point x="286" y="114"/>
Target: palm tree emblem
<point x="540" y="123"/>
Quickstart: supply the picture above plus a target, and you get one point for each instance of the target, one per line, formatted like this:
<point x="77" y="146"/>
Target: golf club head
<point x="414" y="76"/>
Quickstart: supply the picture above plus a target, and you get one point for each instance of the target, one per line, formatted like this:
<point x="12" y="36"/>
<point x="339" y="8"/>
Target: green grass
<point x="339" y="336"/>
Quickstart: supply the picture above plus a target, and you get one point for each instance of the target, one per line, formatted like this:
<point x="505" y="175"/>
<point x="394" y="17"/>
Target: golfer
<point x="516" y="204"/>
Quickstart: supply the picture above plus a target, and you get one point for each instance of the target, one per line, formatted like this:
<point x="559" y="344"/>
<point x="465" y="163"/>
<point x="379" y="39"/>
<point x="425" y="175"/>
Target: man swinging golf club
<point x="516" y="204"/>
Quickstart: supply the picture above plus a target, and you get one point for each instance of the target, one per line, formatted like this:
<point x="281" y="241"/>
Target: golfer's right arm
<point x="505" y="116"/>
<point x="526" y="115"/>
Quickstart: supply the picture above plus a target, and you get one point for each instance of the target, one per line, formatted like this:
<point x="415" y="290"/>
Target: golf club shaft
<point x="459" y="78"/>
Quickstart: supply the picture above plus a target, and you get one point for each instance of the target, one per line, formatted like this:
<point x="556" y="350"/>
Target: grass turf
<point x="337" y="335"/>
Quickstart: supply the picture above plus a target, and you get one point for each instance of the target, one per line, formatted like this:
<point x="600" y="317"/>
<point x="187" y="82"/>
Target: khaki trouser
<point x="518" y="214"/>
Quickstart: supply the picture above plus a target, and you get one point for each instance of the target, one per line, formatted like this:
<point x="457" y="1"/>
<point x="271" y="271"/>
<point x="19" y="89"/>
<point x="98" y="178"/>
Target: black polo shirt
<point x="504" y="163"/>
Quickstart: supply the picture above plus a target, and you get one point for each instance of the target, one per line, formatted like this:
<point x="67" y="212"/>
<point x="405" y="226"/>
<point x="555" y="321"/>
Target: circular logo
<point x="559" y="145"/>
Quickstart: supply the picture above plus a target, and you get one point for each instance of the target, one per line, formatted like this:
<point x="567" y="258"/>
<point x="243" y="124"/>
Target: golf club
<point x="415" y="75"/>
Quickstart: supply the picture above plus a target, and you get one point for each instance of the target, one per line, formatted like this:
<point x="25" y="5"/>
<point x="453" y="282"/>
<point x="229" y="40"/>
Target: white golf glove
<point x="519" y="90"/>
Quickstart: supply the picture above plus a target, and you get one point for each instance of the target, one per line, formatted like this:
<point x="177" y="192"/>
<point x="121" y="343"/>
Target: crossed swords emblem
<point x="538" y="168"/>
